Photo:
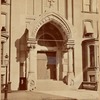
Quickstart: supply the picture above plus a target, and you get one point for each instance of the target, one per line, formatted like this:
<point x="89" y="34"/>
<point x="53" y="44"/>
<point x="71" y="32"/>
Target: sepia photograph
<point x="50" y="50"/>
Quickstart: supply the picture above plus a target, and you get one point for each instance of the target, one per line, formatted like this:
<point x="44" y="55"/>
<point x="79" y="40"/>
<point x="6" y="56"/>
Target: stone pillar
<point x="32" y="74"/>
<point x="58" y="63"/>
<point x="70" y="67"/>
<point x="65" y="64"/>
<point x="70" y="73"/>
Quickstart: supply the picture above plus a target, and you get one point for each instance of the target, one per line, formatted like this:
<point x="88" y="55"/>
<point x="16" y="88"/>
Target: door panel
<point x="46" y="65"/>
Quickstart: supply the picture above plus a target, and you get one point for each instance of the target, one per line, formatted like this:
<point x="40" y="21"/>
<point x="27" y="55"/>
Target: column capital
<point x="69" y="45"/>
<point x="31" y="43"/>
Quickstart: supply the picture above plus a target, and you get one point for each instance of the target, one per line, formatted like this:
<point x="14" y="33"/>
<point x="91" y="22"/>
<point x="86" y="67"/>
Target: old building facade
<point x="50" y="40"/>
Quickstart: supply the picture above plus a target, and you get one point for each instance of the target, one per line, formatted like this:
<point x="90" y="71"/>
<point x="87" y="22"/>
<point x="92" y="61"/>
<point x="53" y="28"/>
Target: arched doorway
<point x="49" y="49"/>
<point x="50" y="41"/>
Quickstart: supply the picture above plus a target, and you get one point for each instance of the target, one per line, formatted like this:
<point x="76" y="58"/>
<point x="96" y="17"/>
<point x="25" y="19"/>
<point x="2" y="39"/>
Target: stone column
<point x="65" y="64"/>
<point x="70" y="67"/>
<point x="58" y="63"/>
<point x="70" y="74"/>
<point x="32" y="74"/>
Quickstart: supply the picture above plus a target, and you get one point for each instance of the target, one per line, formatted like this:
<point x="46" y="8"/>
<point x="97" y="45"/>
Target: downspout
<point x="9" y="42"/>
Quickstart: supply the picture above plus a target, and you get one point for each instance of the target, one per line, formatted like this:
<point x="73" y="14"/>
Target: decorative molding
<point x="31" y="43"/>
<point x="55" y="19"/>
<point x="69" y="45"/>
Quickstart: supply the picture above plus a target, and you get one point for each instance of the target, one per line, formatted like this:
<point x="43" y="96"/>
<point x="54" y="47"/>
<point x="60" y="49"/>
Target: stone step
<point x="51" y="85"/>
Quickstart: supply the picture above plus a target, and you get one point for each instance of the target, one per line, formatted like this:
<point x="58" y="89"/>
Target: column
<point x="32" y="74"/>
<point x="65" y="64"/>
<point x="70" y="66"/>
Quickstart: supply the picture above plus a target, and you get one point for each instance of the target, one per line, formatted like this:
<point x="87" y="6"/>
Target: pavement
<point x="33" y="95"/>
<point x="53" y="95"/>
<point x="76" y="94"/>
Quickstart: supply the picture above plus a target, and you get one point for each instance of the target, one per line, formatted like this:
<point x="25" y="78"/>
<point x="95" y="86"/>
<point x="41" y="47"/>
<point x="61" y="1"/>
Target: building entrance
<point x="46" y="65"/>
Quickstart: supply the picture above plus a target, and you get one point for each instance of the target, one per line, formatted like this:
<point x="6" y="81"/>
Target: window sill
<point x="90" y="12"/>
<point x="92" y="68"/>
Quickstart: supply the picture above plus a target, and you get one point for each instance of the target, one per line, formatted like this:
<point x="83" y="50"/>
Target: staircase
<point x="51" y="85"/>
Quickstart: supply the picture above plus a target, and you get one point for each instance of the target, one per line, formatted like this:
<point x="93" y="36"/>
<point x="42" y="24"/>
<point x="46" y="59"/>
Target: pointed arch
<point x="57" y="20"/>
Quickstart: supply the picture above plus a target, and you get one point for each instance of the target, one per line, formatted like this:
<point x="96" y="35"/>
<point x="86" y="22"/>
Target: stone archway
<point x="61" y="23"/>
<point x="64" y="33"/>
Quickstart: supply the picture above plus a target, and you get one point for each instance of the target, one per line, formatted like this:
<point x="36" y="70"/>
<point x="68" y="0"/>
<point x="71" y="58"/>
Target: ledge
<point x="90" y="85"/>
<point x="89" y="12"/>
<point x="92" y="68"/>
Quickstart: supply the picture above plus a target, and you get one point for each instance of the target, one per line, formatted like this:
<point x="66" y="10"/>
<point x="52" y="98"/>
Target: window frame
<point x="90" y="8"/>
<point x="92" y="55"/>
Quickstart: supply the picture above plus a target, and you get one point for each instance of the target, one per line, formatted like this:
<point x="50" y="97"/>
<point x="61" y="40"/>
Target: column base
<point x="70" y="79"/>
<point x="64" y="74"/>
<point x="31" y="81"/>
<point x="9" y="87"/>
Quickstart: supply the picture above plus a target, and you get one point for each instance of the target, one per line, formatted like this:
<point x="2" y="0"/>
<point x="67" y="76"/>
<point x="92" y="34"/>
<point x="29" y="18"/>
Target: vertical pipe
<point x="9" y="41"/>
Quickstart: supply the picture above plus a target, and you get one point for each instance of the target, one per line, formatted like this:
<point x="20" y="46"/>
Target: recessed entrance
<point x="46" y="65"/>
<point x="50" y="43"/>
<point x="47" y="47"/>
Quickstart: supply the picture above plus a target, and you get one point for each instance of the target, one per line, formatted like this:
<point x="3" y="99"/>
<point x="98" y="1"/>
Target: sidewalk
<point x="34" y="95"/>
<point x="53" y="95"/>
<point x="77" y="94"/>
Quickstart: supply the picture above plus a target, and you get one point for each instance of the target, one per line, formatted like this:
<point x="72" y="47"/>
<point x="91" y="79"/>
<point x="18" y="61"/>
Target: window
<point x="2" y="52"/>
<point x="92" y="56"/>
<point x="3" y="23"/>
<point x="3" y="1"/>
<point x="90" y="5"/>
<point x="88" y="29"/>
<point x="92" y="78"/>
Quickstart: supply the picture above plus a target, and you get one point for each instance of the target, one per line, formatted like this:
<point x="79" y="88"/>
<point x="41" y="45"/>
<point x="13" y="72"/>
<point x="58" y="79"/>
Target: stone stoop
<point x="51" y="85"/>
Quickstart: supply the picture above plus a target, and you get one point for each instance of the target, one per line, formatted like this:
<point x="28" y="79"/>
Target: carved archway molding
<point x="61" y="23"/>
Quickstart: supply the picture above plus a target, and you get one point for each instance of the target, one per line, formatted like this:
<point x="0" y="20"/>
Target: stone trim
<point x="55" y="19"/>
